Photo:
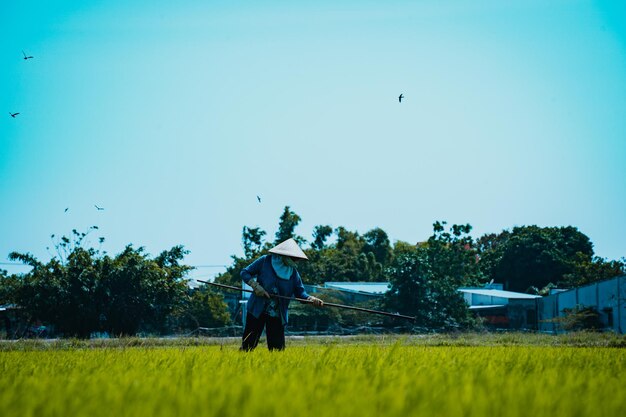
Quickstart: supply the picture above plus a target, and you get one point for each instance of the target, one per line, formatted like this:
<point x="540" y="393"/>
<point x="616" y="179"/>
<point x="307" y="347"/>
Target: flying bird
<point x="26" y="56"/>
<point x="400" y="97"/>
<point x="258" y="198"/>
<point x="99" y="208"/>
<point x="66" y="209"/>
<point x="13" y="114"/>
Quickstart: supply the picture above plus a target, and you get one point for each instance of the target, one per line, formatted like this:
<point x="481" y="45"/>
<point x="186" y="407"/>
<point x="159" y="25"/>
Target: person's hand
<point x="259" y="291"/>
<point x="315" y="301"/>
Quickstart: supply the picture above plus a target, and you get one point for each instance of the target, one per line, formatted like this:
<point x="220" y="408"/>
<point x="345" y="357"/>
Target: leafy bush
<point x="579" y="318"/>
<point x="83" y="291"/>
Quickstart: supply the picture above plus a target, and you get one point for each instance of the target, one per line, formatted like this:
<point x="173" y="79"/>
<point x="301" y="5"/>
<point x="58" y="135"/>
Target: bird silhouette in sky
<point x="258" y="198"/>
<point x="13" y="114"/>
<point x="99" y="208"/>
<point x="66" y="209"/>
<point x="400" y="97"/>
<point x="27" y="56"/>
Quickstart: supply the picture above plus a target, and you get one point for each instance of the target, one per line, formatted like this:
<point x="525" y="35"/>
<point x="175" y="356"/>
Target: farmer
<point x="275" y="273"/>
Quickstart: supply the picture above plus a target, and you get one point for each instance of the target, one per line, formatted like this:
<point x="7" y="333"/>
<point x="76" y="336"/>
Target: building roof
<point x="499" y="293"/>
<point x="372" y="288"/>
<point x="487" y="307"/>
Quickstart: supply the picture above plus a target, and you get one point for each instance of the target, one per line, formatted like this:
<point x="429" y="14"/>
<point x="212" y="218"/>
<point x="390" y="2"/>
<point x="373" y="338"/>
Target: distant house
<point x="502" y="309"/>
<point x="356" y="292"/>
<point x="607" y="298"/>
<point x="499" y="309"/>
<point x="6" y="320"/>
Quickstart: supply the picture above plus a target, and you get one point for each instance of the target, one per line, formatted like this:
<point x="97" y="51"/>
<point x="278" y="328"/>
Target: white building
<point x="502" y="309"/>
<point x="484" y="297"/>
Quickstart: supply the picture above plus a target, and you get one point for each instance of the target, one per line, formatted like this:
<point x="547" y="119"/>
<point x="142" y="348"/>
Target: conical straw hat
<point x="289" y="248"/>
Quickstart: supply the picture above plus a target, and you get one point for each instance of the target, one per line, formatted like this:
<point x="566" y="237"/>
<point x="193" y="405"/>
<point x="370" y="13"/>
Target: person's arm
<point x="248" y="275"/>
<point x="301" y="293"/>
<point x="252" y="270"/>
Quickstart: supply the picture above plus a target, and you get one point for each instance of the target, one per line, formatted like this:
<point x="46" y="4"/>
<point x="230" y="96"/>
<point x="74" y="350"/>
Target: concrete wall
<point x="620" y="326"/>
<point x="522" y="314"/>
<point x="588" y="296"/>
<point x="608" y="297"/>
<point x="567" y="299"/>
<point x="546" y="310"/>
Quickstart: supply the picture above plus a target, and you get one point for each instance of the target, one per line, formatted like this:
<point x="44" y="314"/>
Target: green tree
<point x="287" y="226"/>
<point x="320" y="235"/>
<point x="377" y="242"/>
<point x="346" y="260"/>
<point x="83" y="291"/>
<point x="425" y="278"/>
<point x="140" y="292"/>
<point x="351" y="258"/>
<point x="416" y="290"/>
<point x="204" y="307"/>
<point x="8" y="286"/>
<point x="587" y="270"/>
<point x="453" y="254"/>
<point x="532" y="256"/>
<point x="349" y="242"/>
<point x="61" y="293"/>
<point x="252" y="240"/>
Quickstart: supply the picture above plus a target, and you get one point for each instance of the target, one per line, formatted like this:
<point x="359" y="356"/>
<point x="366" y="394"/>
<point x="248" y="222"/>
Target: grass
<point x="574" y="339"/>
<point x="406" y="376"/>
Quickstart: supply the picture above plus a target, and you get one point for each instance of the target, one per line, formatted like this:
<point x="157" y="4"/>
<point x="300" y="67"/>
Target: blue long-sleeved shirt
<point x="262" y="270"/>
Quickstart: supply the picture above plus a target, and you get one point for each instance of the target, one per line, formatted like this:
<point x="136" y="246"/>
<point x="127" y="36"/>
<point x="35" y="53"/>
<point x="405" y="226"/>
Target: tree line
<point x="82" y="290"/>
<point x="424" y="276"/>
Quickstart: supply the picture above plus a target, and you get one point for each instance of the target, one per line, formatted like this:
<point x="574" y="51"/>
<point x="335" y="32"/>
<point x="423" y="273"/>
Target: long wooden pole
<point x="302" y="300"/>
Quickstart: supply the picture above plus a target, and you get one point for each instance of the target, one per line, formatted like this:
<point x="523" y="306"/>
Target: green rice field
<point x="313" y="378"/>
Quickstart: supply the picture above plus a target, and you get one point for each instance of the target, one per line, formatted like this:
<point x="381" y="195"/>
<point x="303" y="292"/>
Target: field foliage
<point x="314" y="379"/>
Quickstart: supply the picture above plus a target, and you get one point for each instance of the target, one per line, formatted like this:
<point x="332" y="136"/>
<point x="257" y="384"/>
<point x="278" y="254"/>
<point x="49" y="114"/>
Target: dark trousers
<point x="275" y="332"/>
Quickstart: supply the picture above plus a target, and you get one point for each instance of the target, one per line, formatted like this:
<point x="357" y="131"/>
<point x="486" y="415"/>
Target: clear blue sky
<point x="174" y="116"/>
